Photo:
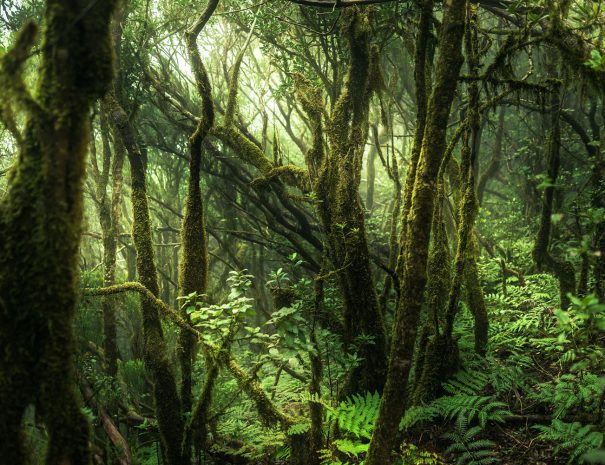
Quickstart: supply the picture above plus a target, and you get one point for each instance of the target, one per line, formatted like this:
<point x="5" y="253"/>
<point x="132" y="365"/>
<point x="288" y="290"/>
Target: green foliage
<point x="575" y="438"/>
<point x="133" y="375"/>
<point x="468" y="447"/>
<point x="299" y="428"/>
<point x="357" y="414"/>
<point x="218" y="322"/>
<point x="581" y="324"/>
<point x="89" y="414"/>
<point x="596" y="61"/>
<point x="277" y="278"/>
<point x="148" y="454"/>
<point x="241" y="434"/>
<point x="327" y="458"/>
<point x="355" y="418"/>
<point x="465" y="401"/>
<point x="412" y="455"/>
<point x="571" y="392"/>
<point x="594" y="456"/>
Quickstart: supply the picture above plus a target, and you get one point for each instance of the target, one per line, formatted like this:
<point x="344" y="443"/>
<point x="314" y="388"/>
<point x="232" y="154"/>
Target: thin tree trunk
<point x="371" y="178"/>
<point x="113" y="433"/>
<point x="563" y="269"/>
<point x="193" y="272"/>
<point x="157" y="360"/>
<point x="109" y="211"/>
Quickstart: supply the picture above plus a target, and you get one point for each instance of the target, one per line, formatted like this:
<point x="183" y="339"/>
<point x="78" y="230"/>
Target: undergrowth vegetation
<point x="537" y="394"/>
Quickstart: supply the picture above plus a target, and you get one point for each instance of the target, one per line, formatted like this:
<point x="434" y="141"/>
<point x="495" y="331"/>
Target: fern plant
<point x="574" y="437"/>
<point x="469" y="448"/>
<point x="571" y="392"/>
<point x="412" y="455"/>
<point x="466" y="400"/>
<point x="355" y="417"/>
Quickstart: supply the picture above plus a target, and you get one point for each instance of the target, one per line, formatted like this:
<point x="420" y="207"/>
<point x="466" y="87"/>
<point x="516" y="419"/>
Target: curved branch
<point x="269" y="413"/>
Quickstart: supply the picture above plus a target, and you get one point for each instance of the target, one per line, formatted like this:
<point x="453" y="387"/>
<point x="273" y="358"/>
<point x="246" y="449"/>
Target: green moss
<point x="431" y="344"/>
<point x="246" y="149"/>
<point x="417" y="232"/>
<point x="193" y="263"/>
<point x="439" y="267"/>
<point x="268" y="412"/>
<point x="476" y="300"/>
<point x="336" y="177"/>
<point x="40" y="221"/>
<point x="167" y="402"/>
<point x="441" y="360"/>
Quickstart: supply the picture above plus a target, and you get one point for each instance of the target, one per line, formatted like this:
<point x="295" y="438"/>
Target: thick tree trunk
<point x="430" y="364"/>
<point x="336" y="177"/>
<point x="40" y="226"/>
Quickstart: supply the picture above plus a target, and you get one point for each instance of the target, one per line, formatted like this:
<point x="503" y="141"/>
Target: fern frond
<point x="299" y="428"/>
<point x="573" y="437"/>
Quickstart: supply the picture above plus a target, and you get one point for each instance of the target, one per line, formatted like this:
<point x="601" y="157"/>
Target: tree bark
<point x="563" y="269"/>
<point x="157" y="361"/>
<point x="449" y="63"/>
<point x="193" y="271"/>
<point x="40" y="225"/>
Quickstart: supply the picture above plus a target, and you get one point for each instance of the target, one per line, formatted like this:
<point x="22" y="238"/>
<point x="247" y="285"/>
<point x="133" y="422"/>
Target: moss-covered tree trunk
<point x="598" y="201"/>
<point x="422" y="65"/>
<point x="371" y="179"/>
<point x="193" y="266"/>
<point x="167" y="402"/>
<point x="157" y="361"/>
<point x="40" y="222"/>
<point x="440" y="359"/>
<point x="417" y="238"/>
<point x="336" y="177"/>
<point x="430" y="362"/>
<point x="342" y="214"/>
<point x="393" y="229"/>
<point x="469" y="204"/>
<point x="476" y="299"/>
<point x="494" y="165"/>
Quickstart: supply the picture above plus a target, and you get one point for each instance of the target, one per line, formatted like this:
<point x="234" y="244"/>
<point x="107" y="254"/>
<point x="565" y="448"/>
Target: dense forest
<point x="306" y="232"/>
